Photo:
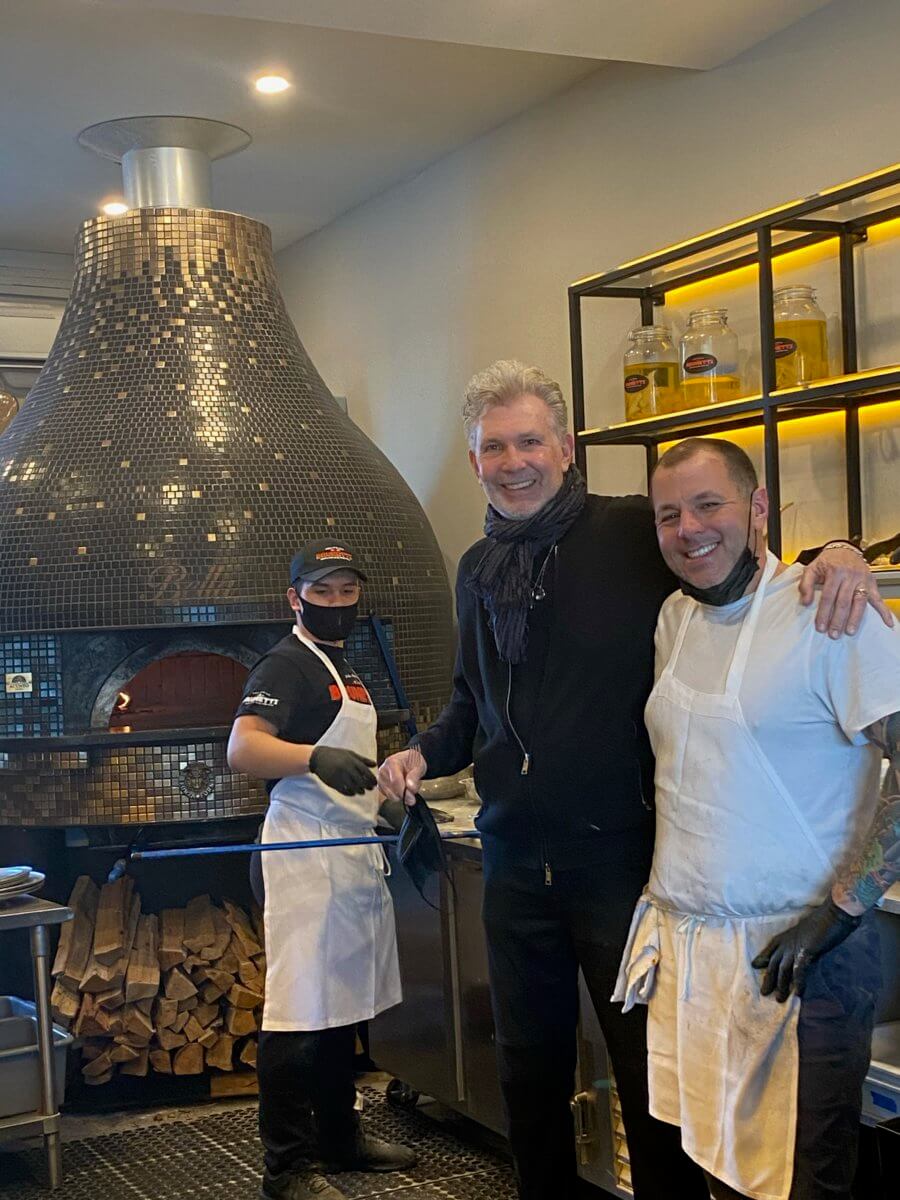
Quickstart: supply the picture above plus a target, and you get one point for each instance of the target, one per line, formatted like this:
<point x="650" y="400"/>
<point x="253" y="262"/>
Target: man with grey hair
<point x="557" y="605"/>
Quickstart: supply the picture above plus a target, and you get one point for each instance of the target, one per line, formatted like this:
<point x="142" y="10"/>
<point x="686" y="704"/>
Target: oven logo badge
<point x="19" y="683"/>
<point x="196" y="781"/>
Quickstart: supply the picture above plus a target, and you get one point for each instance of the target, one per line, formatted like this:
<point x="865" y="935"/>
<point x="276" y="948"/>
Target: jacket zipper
<point x="526" y="766"/>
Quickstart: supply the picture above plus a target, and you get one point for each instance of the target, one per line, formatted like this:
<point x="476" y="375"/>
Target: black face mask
<point x="328" y="622"/>
<point x="421" y="848"/>
<point x="735" y="582"/>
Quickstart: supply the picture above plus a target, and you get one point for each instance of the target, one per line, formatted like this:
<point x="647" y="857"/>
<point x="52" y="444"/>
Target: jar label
<point x="636" y="383"/>
<point x="699" y="364"/>
<point x="784" y="346"/>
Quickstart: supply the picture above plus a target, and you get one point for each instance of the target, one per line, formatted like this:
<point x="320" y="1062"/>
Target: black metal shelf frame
<point x="766" y="236"/>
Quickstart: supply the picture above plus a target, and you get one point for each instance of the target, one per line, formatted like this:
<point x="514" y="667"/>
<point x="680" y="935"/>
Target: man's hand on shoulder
<point x="847" y="586"/>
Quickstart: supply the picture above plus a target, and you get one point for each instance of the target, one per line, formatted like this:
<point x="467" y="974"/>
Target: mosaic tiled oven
<point x="177" y="448"/>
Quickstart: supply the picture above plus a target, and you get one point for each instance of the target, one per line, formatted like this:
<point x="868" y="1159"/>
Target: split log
<point x="187" y="1005"/>
<point x="181" y="1019"/>
<point x="83" y="901"/>
<point x="178" y="986"/>
<point x="240" y="1021"/>
<point x="105" y="977"/>
<point x="164" y="1012"/>
<point x="93" y="1047"/>
<point x="223" y="936"/>
<point x="220" y="1054"/>
<point x="243" y="930"/>
<point x="142" y="976"/>
<point x="251" y="976"/>
<point x="171" y="949"/>
<point x="97" y="1066"/>
<point x="111" y="925"/>
<point x="65" y="1003"/>
<point x="111" y="999"/>
<point x="242" y="997"/>
<point x="137" y="1022"/>
<point x="161" y="1061"/>
<point x="193" y="1030"/>
<point x="230" y="960"/>
<point x="248" y="1052"/>
<point x="139" y="1066"/>
<point x="199" y="929"/>
<point x="91" y="1020"/>
<point x="241" y="1083"/>
<point x="205" y="1013"/>
<point x="208" y="1038"/>
<point x="170" y="1040"/>
<point x="188" y="1060"/>
<point x="123" y="1053"/>
<point x="211" y="993"/>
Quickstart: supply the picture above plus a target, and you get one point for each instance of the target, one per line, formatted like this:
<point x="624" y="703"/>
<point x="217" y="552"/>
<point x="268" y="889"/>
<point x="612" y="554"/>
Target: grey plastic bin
<point x="20" y="1067"/>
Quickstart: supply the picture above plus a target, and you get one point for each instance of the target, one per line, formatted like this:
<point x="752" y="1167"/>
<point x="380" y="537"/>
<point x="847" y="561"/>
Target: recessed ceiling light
<point x="272" y="83"/>
<point x="115" y="208"/>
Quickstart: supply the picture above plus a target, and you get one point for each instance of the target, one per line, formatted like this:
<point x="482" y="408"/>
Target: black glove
<point x="344" y="770"/>
<point x="788" y="957"/>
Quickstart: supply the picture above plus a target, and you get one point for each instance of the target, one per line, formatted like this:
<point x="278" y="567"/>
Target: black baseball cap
<point x="318" y="559"/>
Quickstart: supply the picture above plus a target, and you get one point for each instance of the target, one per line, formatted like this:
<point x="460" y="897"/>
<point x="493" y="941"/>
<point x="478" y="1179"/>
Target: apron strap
<point x="748" y="628"/>
<point x="333" y="671"/>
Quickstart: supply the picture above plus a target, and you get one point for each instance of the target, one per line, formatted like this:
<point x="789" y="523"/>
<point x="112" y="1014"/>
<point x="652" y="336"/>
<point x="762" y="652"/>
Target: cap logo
<point x="334" y="552"/>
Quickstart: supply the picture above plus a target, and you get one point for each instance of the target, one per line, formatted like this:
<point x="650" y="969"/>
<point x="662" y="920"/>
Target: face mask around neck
<point x="733" y="586"/>
<point x="328" y="622"/>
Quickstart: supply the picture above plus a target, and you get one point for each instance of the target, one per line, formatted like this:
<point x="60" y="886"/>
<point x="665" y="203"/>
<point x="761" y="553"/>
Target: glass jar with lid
<point x="651" y="373"/>
<point x="801" y="340"/>
<point x="709" y="359"/>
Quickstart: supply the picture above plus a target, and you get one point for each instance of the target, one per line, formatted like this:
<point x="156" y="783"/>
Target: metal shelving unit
<point x="845" y="213"/>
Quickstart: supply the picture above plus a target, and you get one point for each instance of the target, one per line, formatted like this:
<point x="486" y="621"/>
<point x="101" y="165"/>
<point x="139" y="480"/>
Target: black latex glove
<point x="788" y="957"/>
<point x="344" y="770"/>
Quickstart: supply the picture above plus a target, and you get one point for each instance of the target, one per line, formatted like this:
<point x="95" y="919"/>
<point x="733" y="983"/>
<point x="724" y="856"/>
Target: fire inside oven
<point x="186" y="690"/>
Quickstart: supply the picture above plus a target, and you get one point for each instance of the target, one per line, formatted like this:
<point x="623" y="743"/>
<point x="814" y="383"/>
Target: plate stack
<point x="18" y="881"/>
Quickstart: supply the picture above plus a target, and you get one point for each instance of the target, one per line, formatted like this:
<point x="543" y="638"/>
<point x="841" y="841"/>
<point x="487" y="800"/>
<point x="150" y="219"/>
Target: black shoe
<point x="302" y="1185"/>
<point x="371" y="1154"/>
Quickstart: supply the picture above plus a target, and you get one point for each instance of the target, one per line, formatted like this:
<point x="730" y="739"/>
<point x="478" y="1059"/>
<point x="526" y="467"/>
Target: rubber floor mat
<point x="219" y="1158"/>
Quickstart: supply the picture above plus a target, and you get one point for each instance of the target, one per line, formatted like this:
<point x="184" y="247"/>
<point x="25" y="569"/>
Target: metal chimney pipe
<point x="165" y="160"/>
<point x="167" y="177"/>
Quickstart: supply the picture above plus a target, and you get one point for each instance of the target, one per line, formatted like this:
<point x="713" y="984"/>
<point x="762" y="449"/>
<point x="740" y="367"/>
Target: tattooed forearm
<point x="877" y="866"/>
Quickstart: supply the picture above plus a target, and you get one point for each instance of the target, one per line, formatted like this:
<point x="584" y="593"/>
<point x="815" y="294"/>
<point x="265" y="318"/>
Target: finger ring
<point x="860" y="591"/>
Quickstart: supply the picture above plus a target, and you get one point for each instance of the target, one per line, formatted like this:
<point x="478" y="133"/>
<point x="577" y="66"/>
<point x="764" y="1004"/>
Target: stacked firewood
<point x="173" y="993"/>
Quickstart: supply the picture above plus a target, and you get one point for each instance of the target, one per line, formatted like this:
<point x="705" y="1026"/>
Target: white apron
<point x="736" y="861"/>
<point x="331" y="943"/>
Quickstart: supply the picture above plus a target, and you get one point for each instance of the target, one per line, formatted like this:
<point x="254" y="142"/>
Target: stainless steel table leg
<point x="40" y="950"/>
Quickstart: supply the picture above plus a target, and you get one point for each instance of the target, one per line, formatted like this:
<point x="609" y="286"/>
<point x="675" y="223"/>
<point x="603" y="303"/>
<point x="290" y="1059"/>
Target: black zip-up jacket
<point x="575" y="706"/>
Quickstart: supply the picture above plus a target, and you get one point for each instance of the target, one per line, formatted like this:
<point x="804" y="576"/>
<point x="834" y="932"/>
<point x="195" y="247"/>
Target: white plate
<point x="33" y="883"/>
<point x="10" y="876"/>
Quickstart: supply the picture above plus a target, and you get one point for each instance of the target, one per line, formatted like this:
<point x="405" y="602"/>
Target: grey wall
<point x="399" y="301"/>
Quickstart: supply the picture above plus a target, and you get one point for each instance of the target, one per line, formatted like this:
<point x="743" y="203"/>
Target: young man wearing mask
<point x="556" y="609"/>
<point x="771" y="846"/>
<point x="307" y="724"/>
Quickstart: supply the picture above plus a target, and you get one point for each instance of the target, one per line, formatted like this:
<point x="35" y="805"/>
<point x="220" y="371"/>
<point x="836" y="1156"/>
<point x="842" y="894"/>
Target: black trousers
<point x="538" y="937"/>
<point x="834" y="1035"/>
<point x="306" y="1096"/>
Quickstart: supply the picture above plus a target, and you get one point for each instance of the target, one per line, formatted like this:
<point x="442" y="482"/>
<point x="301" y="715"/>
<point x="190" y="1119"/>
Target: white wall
<point x="401" y="300"/>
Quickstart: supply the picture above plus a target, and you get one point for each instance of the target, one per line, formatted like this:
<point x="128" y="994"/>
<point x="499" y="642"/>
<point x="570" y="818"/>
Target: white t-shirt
<point x="806" y="697"/>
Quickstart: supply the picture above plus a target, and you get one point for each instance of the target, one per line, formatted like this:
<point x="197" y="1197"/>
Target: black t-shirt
<point x="293" y="690"/>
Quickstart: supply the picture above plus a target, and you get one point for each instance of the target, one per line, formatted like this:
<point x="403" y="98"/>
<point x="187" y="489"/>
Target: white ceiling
<point x="381" y="87"/>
